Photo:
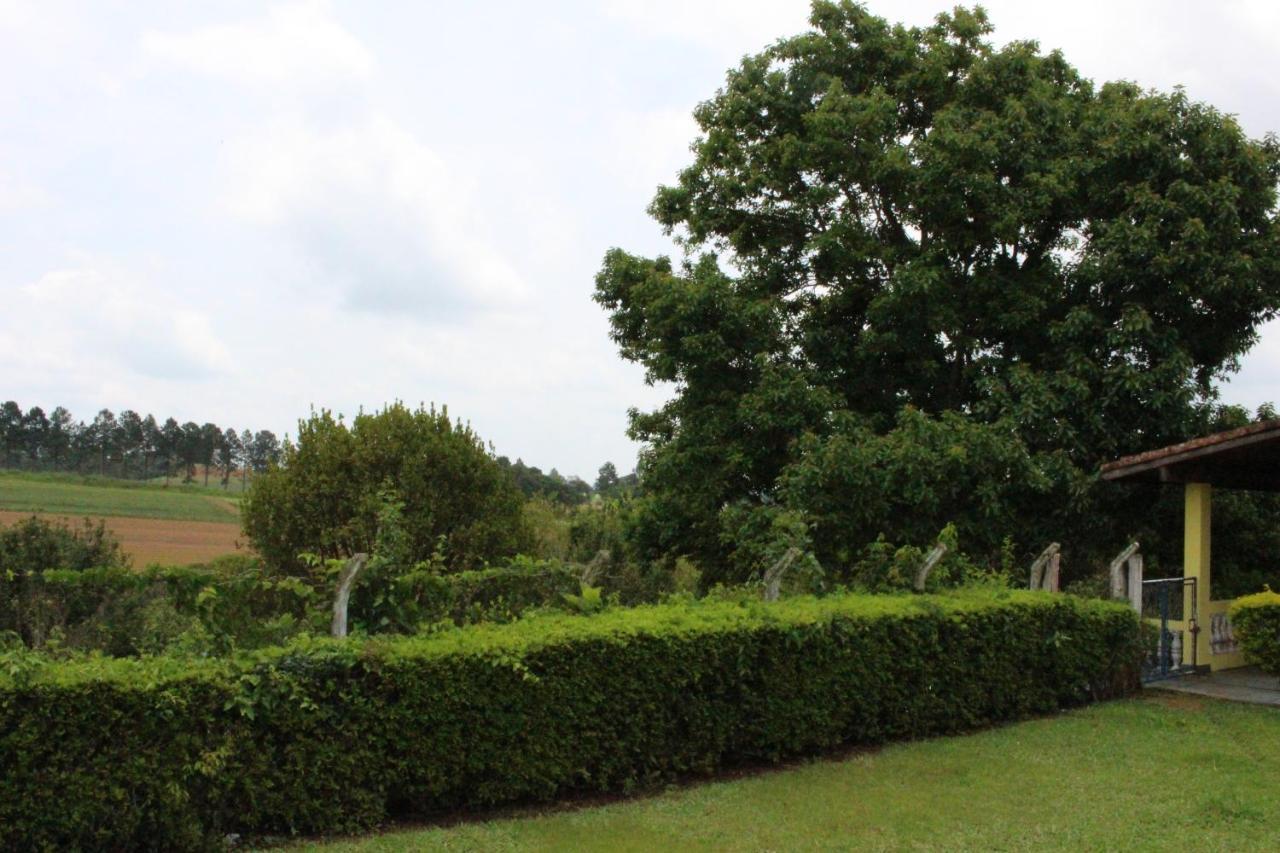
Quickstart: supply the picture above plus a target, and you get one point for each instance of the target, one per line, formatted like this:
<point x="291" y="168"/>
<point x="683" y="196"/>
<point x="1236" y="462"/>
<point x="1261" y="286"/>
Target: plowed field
<point x="159" y="540"/>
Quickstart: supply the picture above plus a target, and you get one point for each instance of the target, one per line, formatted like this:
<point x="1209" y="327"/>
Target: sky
<point x="237" y="211"/>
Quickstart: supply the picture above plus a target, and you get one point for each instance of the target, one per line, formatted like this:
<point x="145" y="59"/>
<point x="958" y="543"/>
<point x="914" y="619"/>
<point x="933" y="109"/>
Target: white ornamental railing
<point x="1222" y="638"/>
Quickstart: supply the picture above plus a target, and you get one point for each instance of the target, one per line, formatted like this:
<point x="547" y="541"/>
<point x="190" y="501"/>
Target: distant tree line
<point x="572" y="490"/>
<point x="130" y="445"/>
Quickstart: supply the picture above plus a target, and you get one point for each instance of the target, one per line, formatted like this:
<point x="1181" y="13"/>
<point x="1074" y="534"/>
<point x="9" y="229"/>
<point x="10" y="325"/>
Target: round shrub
<point x="1256" y="620"/>
<point x="326" y="495"/>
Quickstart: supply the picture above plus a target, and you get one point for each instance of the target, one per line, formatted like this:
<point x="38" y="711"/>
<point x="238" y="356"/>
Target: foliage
<point x="765" y="538"/>
<point x="589" y="599"/>
<point x="1246" y="529"/>
<point x="550" y="527"/>
<point x="599" y="541"/>
<point x="885" y="567"/>
<point x="326" y="495"/>
<point x="327" y="736"/>
<point x="932" y="280"/>
<point x="18" y="661"/>
<point x="1255" y="620"/>
<point x="210" y="609"/>
<point x="375" y="600"/>
<point x="237" y="603"/>
<point x="424" y="596"/>
<point x="394" y="594"/>
<point x="1092" y="586"/>
<point x="36" y="544"/>
<point x="950" y="468"/>
<point x="600" y="526"/>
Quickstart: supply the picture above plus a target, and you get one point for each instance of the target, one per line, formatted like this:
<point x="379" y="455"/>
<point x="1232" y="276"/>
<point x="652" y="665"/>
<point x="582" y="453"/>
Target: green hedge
<point x="235" y="603"/>
<point x="328" y="736"/>
<point x="121" y="611"/>
<point x="1255" y="620"/>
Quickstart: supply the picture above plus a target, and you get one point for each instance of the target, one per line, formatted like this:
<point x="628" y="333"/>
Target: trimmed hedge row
<point x="326" y="736"/>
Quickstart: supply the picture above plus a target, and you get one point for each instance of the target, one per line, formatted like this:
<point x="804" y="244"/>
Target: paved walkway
<point x="1246" y="684"/>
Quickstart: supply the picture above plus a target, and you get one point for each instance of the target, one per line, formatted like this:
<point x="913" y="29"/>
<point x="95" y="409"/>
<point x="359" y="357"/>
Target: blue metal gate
<point x="1171" y="636"/>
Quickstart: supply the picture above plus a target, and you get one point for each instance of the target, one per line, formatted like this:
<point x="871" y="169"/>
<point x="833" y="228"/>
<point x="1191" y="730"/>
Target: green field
<point x="1162" y="772"/>
<point x="81" y="496"/>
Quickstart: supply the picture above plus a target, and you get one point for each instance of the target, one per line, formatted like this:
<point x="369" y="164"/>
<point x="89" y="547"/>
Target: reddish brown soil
<point x="159" y="540"/>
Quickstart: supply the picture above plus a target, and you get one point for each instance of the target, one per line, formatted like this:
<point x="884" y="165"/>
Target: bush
<point x="333" y="484"/>
<point x="424" y="595"/>
<point x="549" y="526"/>
<point x="598" y="540"/>
<point x="38" y="543"/>
<point x="229" y="603"/>
<point x="857" y="484"/>
<point x="1256" y="623"/>
<point x="327" y="736"/>
<point x="35" y="544"/>
<point x="235" y="604"/>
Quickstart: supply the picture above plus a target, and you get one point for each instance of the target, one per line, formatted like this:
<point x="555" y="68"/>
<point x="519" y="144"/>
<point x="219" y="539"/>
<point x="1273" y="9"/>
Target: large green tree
<point x="331" y="485"/>
<point x="906" y="238"/>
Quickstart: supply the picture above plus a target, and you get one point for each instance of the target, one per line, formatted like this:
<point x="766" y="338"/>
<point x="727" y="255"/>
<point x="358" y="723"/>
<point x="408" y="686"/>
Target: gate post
<point x="1131" y="558"/>
<point x="1135" y="582"/>
<point x="1044" y="570"/>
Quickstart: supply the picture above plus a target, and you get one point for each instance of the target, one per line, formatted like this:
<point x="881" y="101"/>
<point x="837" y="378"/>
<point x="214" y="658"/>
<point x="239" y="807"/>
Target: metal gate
<point x="1171" y="638"/>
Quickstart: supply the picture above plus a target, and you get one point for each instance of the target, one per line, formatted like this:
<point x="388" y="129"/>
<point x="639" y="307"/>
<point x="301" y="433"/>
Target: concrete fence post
<point x="346" y="580"/>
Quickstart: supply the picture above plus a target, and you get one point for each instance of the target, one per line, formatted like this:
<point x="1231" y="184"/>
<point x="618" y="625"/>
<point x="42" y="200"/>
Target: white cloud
<point x="1256" y="382"/>
<point x="735" y="27"/>
<point x="101" y="320"/>
<point x="17" y="193"/>
<point x="377" y="214"/>
<point x="646" y="149"/>
<point x="35" y="25"/>
<point x="299" y="43"/>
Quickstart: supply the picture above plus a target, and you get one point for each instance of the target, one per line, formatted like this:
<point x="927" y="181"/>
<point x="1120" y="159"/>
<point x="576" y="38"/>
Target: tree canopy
<point x="921" y="264"/>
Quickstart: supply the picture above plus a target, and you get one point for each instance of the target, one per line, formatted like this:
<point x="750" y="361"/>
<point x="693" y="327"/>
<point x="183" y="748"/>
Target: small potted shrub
<point x="1255" y="620"/>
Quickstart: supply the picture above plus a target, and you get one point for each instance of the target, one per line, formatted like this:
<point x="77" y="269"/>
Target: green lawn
<point x="1158" y="773"/>
<point x="66" y="495"/>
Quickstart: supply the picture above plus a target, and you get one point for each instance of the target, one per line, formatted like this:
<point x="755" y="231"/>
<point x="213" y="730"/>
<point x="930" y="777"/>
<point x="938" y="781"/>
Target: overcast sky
<point x="235" y="211"/>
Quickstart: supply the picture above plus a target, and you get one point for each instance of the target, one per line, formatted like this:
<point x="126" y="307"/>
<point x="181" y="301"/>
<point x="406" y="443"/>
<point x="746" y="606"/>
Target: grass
<point x="86" y="496"/>
<point x="1156" y="773"/>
